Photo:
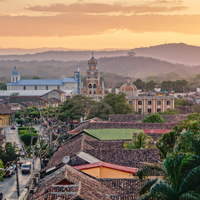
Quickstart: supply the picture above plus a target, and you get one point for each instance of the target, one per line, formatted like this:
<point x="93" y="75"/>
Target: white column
<point x="163" y="105"/>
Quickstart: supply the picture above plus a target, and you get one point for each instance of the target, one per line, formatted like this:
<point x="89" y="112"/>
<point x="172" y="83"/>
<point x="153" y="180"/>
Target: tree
<point x="140" y="84"/>
<point x="177" y="178"/>
<point x="150" y="85"/>
<point x="1" y="171"/>
<point x="166" y="143"/>
<point x="75" y="108"/>
<point x="9" y="153"/>
<point x="101" y="110"/>
<point x="118" y="103"/>
<point x="153" y="118"/>
<point x="140" y="141"/>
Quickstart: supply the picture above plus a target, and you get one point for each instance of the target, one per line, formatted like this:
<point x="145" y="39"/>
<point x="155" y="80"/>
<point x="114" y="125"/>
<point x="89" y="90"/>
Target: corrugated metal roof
<point x="44" y="81"/>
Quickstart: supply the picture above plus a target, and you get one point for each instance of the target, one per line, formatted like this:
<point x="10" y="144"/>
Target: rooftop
<point x="112" y="134"/>
<point x="44" y="81"/>
<point x="5" y="110"/>
<point x="69" y="183"/>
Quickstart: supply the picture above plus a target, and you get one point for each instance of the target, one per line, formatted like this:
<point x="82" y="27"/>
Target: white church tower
<point x="15" y="76"/>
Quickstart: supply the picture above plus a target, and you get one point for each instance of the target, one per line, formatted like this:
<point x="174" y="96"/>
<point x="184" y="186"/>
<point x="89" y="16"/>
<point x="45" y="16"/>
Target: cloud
<point x="82" y="24"/>
<point x="105" y="8"/>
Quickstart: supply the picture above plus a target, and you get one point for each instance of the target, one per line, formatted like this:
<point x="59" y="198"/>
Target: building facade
<point x="93" y="88"/>
<point x="17" y="84"/>
<point x="146" y="104"/>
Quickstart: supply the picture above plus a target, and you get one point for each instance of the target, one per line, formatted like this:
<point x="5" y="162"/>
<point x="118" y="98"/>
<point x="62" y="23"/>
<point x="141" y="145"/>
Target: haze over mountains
<point x="149" y="61"/>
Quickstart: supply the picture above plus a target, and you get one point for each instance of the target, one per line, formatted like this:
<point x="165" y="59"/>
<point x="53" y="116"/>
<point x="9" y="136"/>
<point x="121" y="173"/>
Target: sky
<point x="99" y="24"/>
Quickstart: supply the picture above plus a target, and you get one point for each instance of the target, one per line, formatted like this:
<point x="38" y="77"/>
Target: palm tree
<point x="141" y="141"/>
<point x="177" y="178"/>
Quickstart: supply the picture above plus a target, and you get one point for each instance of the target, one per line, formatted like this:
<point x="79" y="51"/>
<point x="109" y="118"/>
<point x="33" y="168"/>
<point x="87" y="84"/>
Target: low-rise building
<point x="146" y="104"/>
<point x="6" y="115"/>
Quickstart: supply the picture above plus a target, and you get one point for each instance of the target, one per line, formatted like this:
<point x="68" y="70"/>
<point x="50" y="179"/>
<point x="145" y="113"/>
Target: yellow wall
<point x="104" y="172"/>
<point x="5" y="120"/>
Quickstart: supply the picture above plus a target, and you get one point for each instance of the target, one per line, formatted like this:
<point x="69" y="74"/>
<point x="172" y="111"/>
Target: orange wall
<point x="104" y="172"/>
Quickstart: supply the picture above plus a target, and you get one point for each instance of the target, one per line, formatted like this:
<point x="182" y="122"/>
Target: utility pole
<point x="17" y="179"/>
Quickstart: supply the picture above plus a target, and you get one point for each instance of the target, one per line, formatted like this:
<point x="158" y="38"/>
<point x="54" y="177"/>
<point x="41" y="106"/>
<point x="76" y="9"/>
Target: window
<point x="84" y="92"/>
<point x="149" y="110"/>
<point x="130" y="102"/>
<point x="94" y="86"/>
<point x="159" y="102"/>
<point x="90" y="92"/>
<point x="16" y="79"/>
<point x="24" y="87"/>
<point x="168" y="102"/>
<point x="149" y="102"/>
<point x="58" y="87"/>
<point x="140" y="110"/>
<point x="35" y="87"/>
<point x="47" y="87"/>
<point x="158" y="110"/>
<point x="139" y="102"/>
<point x="13" y="79"/>
<point x="90" y="85"/>
<point x="100" y="92"/>
<point x="94" y="92"/>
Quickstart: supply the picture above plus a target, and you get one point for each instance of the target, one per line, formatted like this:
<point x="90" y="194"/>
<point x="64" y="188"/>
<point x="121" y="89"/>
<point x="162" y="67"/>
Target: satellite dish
<point x="66" y="159"/>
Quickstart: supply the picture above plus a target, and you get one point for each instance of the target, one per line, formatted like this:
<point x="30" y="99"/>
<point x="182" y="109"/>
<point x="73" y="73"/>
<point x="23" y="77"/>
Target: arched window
<point x="90" y="85"/>
<point x="90" y="92"/>
<point x="16" y="79"/>
<point x="94" y="86"/>
<point x="24" y="87"/>
<point x="94" y="92"/>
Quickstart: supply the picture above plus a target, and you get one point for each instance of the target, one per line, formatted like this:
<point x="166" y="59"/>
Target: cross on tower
<point x="92" y="54"/>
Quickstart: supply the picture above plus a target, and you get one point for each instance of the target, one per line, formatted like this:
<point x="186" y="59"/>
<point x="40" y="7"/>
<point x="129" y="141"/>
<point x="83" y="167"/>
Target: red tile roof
<point x="107" y="165"/>
<point x="156" y="130"/>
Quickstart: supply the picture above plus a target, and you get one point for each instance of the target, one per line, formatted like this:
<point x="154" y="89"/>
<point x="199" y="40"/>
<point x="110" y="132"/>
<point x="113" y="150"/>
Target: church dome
<point x="92" y="60"/>
<point x="128" y="87"/>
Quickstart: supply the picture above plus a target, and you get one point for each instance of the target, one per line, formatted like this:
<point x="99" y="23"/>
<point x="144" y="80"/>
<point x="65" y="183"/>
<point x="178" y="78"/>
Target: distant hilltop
<point x="175" y="53"/>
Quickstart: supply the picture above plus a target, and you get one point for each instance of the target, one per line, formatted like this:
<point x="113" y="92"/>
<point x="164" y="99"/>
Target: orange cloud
<point x="104" y="8"/>
<point x="83" y="24"/>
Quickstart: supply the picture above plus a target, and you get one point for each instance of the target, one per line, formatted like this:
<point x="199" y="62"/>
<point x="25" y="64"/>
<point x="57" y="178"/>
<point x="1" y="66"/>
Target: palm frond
<point x="147" y="186"/>
<point x="191" y="182"/>
<point x="146" y="197"/>
<point x="164" y="189"/>
<point x="149" y="170"/>
<point x="189" y="196"/>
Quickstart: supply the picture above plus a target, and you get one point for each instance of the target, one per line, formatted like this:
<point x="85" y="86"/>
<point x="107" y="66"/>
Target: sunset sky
<point x="103" y="24"/>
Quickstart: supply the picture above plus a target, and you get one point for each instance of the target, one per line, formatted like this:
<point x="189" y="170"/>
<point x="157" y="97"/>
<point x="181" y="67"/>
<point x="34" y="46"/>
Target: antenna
<point x="66" y="159"/>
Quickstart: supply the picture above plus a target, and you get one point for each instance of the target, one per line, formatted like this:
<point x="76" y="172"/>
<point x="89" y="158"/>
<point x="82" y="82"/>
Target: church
<point x="35" y="87"/>
<point x="94" y="88"/>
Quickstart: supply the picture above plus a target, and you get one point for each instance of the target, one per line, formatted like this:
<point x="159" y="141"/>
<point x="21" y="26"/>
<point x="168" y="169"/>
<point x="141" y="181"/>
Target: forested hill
<point x="139" y="67"/>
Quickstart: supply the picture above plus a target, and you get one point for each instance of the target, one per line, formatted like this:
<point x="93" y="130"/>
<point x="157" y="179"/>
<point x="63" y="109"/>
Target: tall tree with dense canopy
<point x="118" y="103"/>
<point x="140" y="141"/>
<point x="153" y="118"/>
<point x="177" y="178"/>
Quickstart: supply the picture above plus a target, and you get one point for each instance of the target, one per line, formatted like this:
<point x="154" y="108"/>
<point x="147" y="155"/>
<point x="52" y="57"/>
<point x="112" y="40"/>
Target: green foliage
<point x="1" y="171"/>
<point x="118" y="103"/>
<point x="153" y="118"/>
<point x="180" y="179"/>
<point x="101" y="110"/>
<point x="75" y="108"/>
<point x="9" y="153"/>
<point x="169" y="112"/>
<point x="20" y="121"/>
<point x="17" y="114"/>
<point x="35" y="114"/>
<point x="182" y="102"/>
<point x="26" y="138"/>
<point x="166" y="143"/>
<point x="141" y="141"/>
<point x="3" y="86"/>
<point x="140" y="84"/>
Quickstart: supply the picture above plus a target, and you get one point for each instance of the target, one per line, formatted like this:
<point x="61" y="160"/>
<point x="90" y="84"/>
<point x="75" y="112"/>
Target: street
<point x="8" y="187"/>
